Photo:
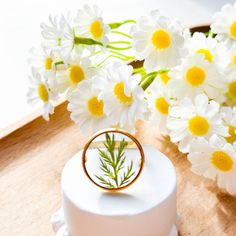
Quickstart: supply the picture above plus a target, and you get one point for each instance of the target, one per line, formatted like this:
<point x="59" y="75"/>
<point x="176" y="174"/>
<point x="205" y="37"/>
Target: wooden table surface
<point x="31" y="161"/>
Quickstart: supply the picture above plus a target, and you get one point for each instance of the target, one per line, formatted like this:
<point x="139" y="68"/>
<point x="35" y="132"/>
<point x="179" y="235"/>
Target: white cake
<point x="146" y="208"/>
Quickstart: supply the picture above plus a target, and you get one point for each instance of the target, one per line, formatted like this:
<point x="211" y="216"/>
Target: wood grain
<point x="31" y="161"/>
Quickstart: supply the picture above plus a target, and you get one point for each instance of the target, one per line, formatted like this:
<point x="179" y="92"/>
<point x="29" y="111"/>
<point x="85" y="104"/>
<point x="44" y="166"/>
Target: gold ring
<point x="135" y="141"/>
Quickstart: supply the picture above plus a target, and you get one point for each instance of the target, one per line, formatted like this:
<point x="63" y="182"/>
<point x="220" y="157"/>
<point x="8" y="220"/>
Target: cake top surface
<point x="156" y="183"/>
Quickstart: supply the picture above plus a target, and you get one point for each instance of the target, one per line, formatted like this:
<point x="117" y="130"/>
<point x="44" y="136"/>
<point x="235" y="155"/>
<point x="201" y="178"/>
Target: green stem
<point x="118" y="48"/>
<point x="116" y="176"/>
<point x="138" y="70"/>
<point x="115" y="56"/>
<point x="86" y="41"/>
<point x="121" y="33"/>
<point x="210" y="34"/>
<point x="120" y="42"/>
<point x="129" y="21"/>
<point x="150" y="77"/>
<point x="59" y="63"/>
<point x="116" y="25"/>
<point x="122" y="55"/>
<point x="89" y="41"/>
<point x="96" y="53"/>
<point x="122" y="58"/>
<point x="147" y="81"/>
<point x="155" y="73"/>
<point x="100" y="63"/>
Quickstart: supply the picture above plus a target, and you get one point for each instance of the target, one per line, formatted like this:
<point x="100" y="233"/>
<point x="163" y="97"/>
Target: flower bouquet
<point x="183" y="83"/>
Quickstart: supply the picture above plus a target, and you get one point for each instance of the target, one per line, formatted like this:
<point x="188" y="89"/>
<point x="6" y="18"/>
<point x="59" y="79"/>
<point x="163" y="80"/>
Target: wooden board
<point x="31" y="161"/>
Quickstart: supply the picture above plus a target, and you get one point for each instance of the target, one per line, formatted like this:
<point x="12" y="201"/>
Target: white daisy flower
<point x="77" y="70"/>
<point x="89" y="23"/>
<point x="190" y="120"/>
<point x="158" y="104"/>
<point x="228" y="68"/>
<point x="43" y="61"/>
<point x="187" y="34"/>
<point x="225" y="23"/>
<point x="162" y="80"/>
<point x="206" y="46"/>
<point x="39" y="92"/>
<point x="228" y="58"/>
<point x="159" y="41"/>
<point x="60" y="37"/>
<point x="47" y="63"/>
<point x="196" y="75"/>
<point x="230" y="81"/>
<point x="216" y="160"/>
<point x="228" y="115"/>
<point x="67" y="43"/>
<point x="54" y="31"/>
<point x="87" y="109"/>
<point x="123" y="98"/>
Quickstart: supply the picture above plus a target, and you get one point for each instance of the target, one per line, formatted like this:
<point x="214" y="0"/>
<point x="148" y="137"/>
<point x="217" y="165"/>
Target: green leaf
<point x="86" y="41"/>
<point x="116" y="25"/>
<point x="112" y="164"/>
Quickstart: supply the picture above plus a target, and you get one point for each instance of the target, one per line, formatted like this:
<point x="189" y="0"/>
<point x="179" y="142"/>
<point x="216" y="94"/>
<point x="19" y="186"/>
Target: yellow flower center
<point x="195" y="76"/>
<point x="234" y="59"/>
<point x="120" y="94"/>
<point x="232" y="136"/>
<point x="222" y="161"/>
<point x="164" y="78"/>
<point x="76" y="74"/>
<point x="43" y="93"/>
<point x="161" y="39"/>
<point x="95" y="107"/>
<point x="232" y="90"/>
<point x="48" y="63"/>
<point x="96" y="29"/>
<point x="207" y="54"/>
<point x="162" y="105"/>
<point x="198" y="125"/>
<point x="232" y="30"/>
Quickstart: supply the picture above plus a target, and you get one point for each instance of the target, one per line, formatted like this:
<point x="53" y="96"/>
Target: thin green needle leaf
<point x="112" y="164"/>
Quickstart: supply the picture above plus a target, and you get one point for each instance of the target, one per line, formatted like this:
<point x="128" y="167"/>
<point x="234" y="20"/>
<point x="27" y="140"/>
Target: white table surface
<point x="20" y="30"/>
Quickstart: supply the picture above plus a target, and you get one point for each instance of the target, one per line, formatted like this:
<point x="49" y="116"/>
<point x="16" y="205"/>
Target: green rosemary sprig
<point x="127" y="175"/>
<point x="112" y="163"/>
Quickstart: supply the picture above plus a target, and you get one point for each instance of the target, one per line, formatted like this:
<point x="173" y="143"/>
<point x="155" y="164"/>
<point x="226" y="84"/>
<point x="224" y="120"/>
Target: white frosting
<point x="148" y="207"/>
<point x="62" y="230"/>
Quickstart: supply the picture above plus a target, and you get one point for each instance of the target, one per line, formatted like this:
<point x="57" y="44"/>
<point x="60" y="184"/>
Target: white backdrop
<point x="19" y="31"/>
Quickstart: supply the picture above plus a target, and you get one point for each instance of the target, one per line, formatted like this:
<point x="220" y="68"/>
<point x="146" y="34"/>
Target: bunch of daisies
<point x="183" y="84"/>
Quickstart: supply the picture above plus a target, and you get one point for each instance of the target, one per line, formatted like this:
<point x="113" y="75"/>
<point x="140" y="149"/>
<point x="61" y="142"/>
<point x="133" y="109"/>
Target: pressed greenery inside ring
<point x="113" y="159"/>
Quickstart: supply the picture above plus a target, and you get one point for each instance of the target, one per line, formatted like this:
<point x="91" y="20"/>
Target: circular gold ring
<point x="87" y="145"/>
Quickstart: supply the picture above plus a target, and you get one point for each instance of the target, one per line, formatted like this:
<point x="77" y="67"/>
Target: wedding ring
<point x="132" y="144"/>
